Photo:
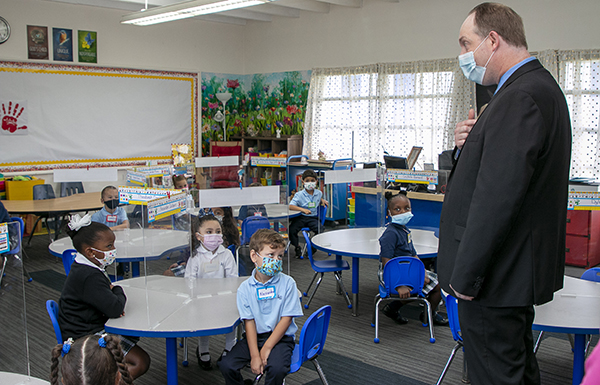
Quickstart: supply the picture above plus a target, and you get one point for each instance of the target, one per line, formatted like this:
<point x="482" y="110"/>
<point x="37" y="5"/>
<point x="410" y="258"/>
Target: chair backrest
<point x="402" y="271"/>
<point x="70" y="188"/>
<point x="592" y="274"/>
<point x="43" y="191"/>
<point x="313" y="334"/>
<point x="250" y="225"/>
<point x="16" y="249"/>
<point x="322" y="213"/>
<point x="245" y="264"/>
<point x="452" y="310"/>
<point x="52" y="308"/>
<point x="68" y="256"/>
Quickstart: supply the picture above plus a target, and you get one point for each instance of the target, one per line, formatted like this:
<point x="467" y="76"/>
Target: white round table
<point x="575" y="309"/>
<point x="363" y="242"/>
<point x="136" y="245"/>
<point x="171" y="307"/>
<point x="7" y="378"/>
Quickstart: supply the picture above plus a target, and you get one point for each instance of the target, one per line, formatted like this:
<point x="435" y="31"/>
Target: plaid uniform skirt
<point x="433" y="281"/>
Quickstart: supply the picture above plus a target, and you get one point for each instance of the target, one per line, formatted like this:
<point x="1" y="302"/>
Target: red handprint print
<point x="9" y="121"/>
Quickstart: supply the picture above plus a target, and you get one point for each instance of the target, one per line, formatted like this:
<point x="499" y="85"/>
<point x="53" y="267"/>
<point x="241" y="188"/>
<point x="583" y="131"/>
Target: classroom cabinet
<point x="583" y="235"/>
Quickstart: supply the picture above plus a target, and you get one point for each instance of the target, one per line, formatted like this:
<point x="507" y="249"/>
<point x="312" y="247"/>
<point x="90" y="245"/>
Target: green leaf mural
<point x="259" y="102"/>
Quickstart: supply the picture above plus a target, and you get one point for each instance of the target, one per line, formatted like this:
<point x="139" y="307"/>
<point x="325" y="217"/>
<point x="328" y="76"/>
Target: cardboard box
<point x="21" y="190"/>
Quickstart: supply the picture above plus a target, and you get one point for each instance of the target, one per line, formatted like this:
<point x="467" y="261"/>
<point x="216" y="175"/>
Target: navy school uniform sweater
<point x="87" y="302"/>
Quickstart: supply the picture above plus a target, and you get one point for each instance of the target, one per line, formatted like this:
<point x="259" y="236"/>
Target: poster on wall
<point x="37" y="42"/>
<point x="87" y="44"/>
<point x="62" y="44"/>
<point x="272" y="104"/>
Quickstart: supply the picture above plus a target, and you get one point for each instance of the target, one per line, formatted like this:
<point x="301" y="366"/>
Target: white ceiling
<point x="261" y="13"/>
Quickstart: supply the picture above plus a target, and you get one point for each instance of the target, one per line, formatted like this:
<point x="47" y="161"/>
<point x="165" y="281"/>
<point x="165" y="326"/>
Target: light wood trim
<point x="77" y="202"/>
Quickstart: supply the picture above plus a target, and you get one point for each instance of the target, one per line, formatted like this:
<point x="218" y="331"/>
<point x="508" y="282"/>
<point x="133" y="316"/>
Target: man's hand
<point x="463" y="129"/>
<point x="461" y="296"/>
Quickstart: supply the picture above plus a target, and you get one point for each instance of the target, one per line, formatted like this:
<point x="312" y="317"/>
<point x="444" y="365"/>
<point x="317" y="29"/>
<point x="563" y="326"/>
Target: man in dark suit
<point x="503" y="222"/>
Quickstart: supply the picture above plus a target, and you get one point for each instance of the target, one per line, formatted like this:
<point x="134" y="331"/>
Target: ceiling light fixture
<point x="186" y="9"/>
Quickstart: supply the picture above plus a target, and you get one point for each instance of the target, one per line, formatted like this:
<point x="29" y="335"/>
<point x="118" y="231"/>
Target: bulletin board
<point x="61" y="116"/>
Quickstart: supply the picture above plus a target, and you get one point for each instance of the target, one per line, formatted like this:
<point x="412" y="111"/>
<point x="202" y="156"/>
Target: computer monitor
<point x="395" y="162"/>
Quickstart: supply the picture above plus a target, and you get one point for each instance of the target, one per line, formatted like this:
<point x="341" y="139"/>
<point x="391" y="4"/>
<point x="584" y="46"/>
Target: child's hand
<point x="426" y="280"/>
<point x="264" y="355"/>
<point x="306" y="211"/>
<point x="403" y="292"/>
<point x="122" y="314"/>
<point x="324" y="202"/>
<point x="256" y="365"/>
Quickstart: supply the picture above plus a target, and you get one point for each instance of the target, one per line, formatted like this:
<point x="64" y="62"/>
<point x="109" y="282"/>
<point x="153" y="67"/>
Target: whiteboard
<point x="76" y="114"/>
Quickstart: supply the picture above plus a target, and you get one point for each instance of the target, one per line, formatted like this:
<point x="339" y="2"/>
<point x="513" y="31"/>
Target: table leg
<point x="355" y="263"/>
<point x="135" y="269"/>
<point x="172" y="361"/>
<point x="338" y="289"/>
<point x="276" y="226"/>
<point x="578" y="358"/>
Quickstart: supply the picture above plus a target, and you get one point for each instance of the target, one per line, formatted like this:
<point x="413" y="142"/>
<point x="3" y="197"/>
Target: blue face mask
<point x="402" y="219"/>
<point x="472" y="71"/>
<point x="270" y="266"/>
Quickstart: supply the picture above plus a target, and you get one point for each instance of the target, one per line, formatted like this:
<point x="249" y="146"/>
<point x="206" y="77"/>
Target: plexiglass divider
<point x="14" y="348"/>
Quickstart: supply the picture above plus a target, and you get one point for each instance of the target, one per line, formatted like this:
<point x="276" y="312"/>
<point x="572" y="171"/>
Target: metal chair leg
<point x="537" y="343"/>
<point x="314" y="291"/>
<point x="320" y="371"/>
<point x="311" y="282"/>
<point x="185" y="361"/>
<point x="430" y="321"/>
<point x="448" y="363"/>
<point x="376" y="340"/>
<point x="338" y="277"/>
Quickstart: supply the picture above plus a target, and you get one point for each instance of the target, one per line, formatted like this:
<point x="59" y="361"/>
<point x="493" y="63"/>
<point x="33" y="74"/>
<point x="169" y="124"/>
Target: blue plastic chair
<point x="452" y="310"/>
<point x="15" y="251"/>
<point x="311" y="342"/>
<point x="52" y="308"/>
<point x="69" y="188"/>
<point x="401" y="271"/>
<point x="250" y="225"/>
<point x="336" y="266"/>
<point x="592" y="274"/>
<point x="68" y="256"/>
<point x="321" y="215"/>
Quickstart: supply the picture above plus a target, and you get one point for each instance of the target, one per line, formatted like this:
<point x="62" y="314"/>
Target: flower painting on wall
<point x="260" y="105"/>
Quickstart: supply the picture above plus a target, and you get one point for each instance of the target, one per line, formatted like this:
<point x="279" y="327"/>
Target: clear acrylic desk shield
<point x="14" y="343"/>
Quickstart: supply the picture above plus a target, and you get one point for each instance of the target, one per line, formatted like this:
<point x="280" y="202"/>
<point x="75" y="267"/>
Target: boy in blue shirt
<point x="111" y="214"/>
<point x="306" y="201"/>
<point x="267" y="302"/>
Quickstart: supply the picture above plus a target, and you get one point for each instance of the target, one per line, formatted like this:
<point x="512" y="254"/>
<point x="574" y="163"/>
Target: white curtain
<point x="579" y="77"/>
<point x="390" y="107"/>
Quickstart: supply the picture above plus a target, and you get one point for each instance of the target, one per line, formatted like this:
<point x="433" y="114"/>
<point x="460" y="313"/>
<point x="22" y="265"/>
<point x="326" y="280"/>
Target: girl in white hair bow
<point x="88" y="298"/>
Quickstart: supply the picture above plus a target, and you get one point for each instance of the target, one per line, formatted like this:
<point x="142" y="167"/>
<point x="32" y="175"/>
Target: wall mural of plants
<point x="261" y="104"/>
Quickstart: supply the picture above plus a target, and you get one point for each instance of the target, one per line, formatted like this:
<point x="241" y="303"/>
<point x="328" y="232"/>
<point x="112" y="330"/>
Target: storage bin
<point x="22" y="189"/>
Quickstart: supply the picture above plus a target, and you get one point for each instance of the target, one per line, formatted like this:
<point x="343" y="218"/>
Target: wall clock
<point x="4" y="30"/>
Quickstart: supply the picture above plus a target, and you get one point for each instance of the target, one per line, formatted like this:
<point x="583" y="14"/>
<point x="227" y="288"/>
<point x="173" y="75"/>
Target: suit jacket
<point x="503" y="221"/>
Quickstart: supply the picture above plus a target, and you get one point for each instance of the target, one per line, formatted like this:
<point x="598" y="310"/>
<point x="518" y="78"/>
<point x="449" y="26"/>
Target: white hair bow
<point x="78" y="222"/>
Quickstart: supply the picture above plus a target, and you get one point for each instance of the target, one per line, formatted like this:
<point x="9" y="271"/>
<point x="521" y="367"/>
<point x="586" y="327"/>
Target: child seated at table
<point x="92" y="359"/>
<point x="88" y="298"/>
<point x="306" y="201"/>
<point x="267" y="302"/>
<point x="181" y="220"/>
<point x="396" y="242"/>
<point x="111" y="215"/>
<point x="231" y="232"/>
<point x="251" y="210"/>
<point x="209" y="260"/>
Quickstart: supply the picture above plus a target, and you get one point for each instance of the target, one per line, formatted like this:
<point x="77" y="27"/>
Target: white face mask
<point x="109" y="257"/>
<point x="310" y="185"/>
<point x="472" y="71"/>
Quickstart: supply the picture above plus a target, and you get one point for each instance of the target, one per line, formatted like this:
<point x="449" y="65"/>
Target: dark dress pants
<point x="498" y="344"/>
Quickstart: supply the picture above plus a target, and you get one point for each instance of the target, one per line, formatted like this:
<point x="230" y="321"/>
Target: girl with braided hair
<point x="93" y="360"/>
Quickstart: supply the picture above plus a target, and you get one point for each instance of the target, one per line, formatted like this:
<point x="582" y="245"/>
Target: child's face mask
<point x="212" y="241"/>
<point x="270" y="266"/>
<point x="109" y="257"/>
<point x="310" y="185"/>
<point x="112" y="203"/>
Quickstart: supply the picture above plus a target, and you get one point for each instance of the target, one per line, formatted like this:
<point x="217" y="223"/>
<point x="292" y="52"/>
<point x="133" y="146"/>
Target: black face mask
<point x="112" y="204"/>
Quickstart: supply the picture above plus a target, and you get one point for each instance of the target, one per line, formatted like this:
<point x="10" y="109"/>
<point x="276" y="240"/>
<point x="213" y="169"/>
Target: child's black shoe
<point x="204" y="365"/>
<point x="394" y="315"/>
<point x="298" y="251"/>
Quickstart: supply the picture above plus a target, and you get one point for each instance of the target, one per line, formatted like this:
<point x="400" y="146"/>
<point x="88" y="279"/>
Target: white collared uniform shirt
<point x="205" y="264"/>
